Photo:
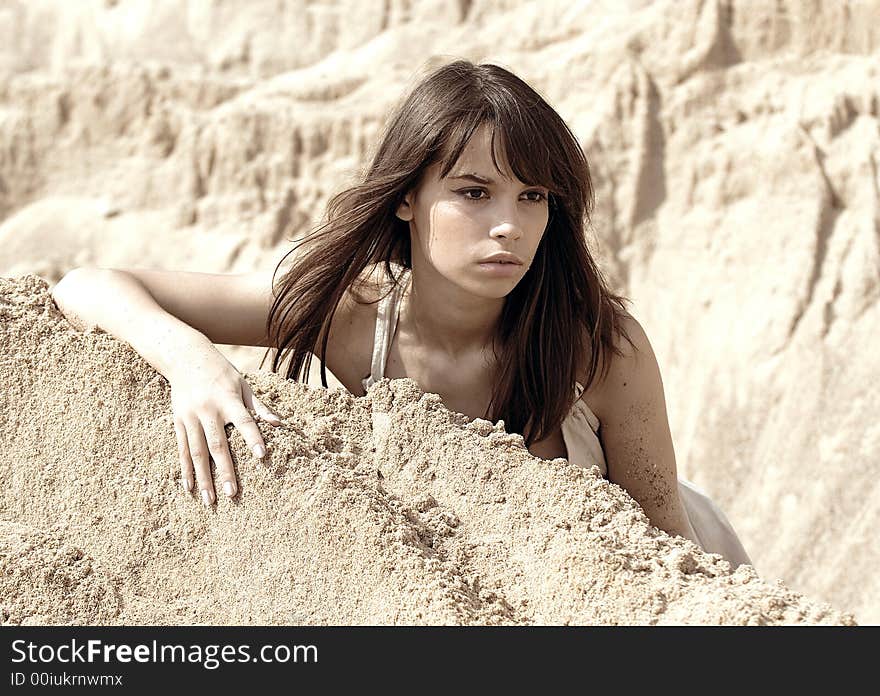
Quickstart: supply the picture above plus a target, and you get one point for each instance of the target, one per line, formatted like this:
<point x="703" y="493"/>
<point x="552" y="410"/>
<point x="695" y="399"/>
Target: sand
<point x="735" y="148"/>
<point x="382" y="509"/>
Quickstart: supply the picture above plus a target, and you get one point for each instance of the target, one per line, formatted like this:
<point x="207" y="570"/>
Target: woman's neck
<point x="449" y="320"/>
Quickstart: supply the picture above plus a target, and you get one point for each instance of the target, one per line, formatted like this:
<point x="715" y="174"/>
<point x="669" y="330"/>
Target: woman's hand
<point x="208" y="393"/>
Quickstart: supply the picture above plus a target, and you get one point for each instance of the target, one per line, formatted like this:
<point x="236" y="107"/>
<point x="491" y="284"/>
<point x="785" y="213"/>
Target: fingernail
<point x="187" y="485"/>
<point x="260" y="451"/>
<point x="229" y="489"/>
<point x="206" y="497"/>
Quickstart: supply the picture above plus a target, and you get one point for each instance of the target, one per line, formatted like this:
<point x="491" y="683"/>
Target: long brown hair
<point x="560" y="315"/>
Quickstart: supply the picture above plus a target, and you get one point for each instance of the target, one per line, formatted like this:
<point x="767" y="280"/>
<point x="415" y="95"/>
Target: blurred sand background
<point x="734" y="147"/>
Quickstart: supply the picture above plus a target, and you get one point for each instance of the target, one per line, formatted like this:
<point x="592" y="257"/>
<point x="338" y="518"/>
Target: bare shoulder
<point x="605" y="391"/>
<point x="634" y="352"/>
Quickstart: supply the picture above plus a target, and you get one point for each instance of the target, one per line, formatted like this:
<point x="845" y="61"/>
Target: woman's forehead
<point x="478" y="149"/>
<point x="476" y="158"/>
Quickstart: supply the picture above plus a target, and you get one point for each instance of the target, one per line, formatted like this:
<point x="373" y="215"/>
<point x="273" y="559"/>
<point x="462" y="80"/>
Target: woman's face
<point x="455" y="223"/>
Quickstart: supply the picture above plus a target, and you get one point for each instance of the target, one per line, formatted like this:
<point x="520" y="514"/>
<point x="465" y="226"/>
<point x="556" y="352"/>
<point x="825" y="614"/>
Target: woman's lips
<point x="500" y="268"/>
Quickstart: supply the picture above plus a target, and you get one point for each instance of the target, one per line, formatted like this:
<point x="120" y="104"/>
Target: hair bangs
<point x="455" y="141"/>
<point x="526" y="153"/>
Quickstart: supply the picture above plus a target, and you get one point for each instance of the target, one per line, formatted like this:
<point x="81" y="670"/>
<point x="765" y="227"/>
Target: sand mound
<point x="383" y="509"/>
<point x="45" y="580"/>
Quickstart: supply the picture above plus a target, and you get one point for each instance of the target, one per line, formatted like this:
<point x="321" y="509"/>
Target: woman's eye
<point x="466" y="193"/>
<point x="540" y="196"/>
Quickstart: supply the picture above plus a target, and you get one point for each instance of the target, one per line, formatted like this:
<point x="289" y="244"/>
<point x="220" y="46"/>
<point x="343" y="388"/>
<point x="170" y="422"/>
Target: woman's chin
<point x="493" y="289"/>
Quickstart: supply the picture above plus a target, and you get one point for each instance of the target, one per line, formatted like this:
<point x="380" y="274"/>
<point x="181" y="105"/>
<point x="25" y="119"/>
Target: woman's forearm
<point x="117" y="303"/>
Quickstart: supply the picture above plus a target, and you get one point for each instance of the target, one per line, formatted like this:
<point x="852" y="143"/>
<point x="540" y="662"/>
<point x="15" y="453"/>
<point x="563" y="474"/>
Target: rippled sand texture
<point x="735" y="151"/>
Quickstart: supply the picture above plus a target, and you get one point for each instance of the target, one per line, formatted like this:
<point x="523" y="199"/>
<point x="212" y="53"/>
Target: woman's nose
<point x="508" y="230"/>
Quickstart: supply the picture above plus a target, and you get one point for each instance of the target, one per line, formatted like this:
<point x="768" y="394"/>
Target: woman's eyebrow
<point x="473" y="177"/>
<point x="476" y="177"/>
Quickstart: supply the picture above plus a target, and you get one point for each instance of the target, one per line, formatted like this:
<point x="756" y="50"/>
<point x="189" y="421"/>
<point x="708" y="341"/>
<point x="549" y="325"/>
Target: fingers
<point x="207" y="439"/>
<point x="198" y="450"/>
<point x="218" y="446"/>
<point x="247" y="426"/>
<point x="201" y="437"/>
<point x="186" y="466"/>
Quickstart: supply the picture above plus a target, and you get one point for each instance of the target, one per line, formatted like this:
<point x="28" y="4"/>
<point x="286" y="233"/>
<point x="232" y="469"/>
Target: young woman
<point x="459" y="260"/>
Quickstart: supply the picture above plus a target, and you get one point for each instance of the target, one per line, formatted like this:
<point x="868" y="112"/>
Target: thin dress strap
<point x="386" y="324"/>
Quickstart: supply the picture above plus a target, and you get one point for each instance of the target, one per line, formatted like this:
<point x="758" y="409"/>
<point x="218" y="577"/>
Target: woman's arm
<point x="172" y="320"/>
<point x="117" y="303"/>
<point x="229" y="308"/>
<point x="636" y="437"/>
<point x="164" y="315"/>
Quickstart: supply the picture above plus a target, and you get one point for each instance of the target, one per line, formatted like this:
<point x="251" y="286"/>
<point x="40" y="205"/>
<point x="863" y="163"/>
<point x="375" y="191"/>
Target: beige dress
<point x="580" y="431"/>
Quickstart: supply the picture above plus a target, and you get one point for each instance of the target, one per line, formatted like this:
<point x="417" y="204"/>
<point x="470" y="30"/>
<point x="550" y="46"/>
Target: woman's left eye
<point x="540" y="195"/>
